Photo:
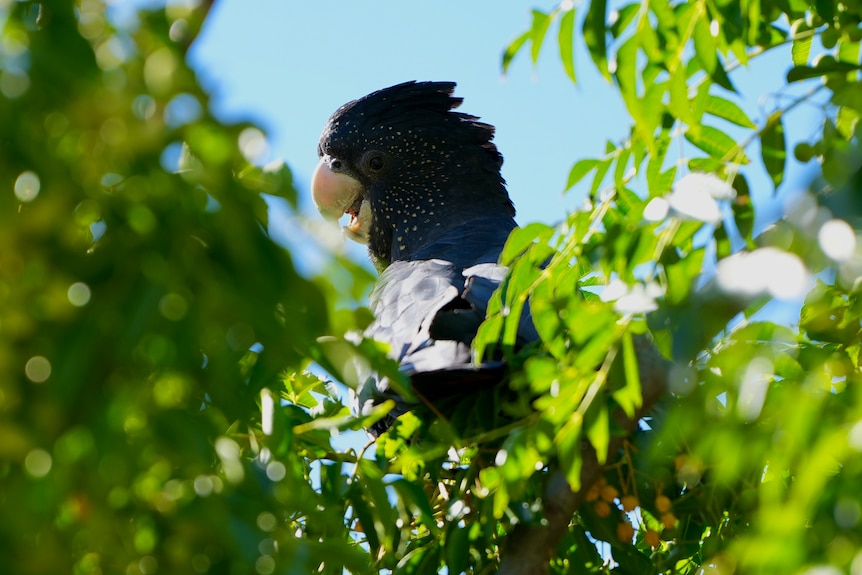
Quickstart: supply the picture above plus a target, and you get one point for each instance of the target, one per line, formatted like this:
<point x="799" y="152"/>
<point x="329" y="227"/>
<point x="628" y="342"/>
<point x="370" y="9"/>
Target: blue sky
<point x="288" y="65"/>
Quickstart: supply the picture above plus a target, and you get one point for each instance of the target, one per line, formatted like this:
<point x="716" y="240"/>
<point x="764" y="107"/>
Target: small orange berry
<point x="662" y="503"/>
<point x="609" y="493"/>
<point x="592" y="493"/>
<point x="625" y="532"/>
<point x="629" y="502"/>
<point x="602" y="508"/>
<point x="668" y="520"/>
<point x="652" y="538"/>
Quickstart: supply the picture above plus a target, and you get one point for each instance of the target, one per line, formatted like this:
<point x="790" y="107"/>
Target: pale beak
<point x="335" y="194"/>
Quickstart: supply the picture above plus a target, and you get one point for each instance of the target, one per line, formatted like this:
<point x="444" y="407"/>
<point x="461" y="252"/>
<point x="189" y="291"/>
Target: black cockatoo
<point x="423" y="189"/>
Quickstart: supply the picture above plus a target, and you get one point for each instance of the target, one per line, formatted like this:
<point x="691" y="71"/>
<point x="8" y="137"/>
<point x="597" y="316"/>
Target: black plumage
<point x="422" y="185"/>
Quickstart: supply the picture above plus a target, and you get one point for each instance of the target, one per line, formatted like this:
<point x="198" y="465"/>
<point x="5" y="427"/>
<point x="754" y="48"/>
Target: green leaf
<point x="704" y="44"/>
<point x="627" y="200"/>
<point x="487" y="336"/>
<point x="846" y="121"/>
<point x="681" y="276"/>
<point x="718" y="145"/>
<point x="501" y="501"/>
<point x="457" y="548"/>
<point x="800" y="49"/>
<point x="413" y="494"/>
<point x="374" y="491"/>
<point x="625" y="16"/>
<point x="743" y="209"/>
<point x="512" y="319"/>
<point x="646" y="109"/>
<point x="680" y="104"/>
<point x="601" y="171"/>
<point x="848" y="51"/>
<point x="798" y="73"/>
<point x="754" y="13"/>
<point x="773" y="148"/>
<point x="568" y="442"/>
<point x="826" y="9"/>
<point x="848" y="96"/>
<point x="663" y="182"/>
<point x="513" y="48"/>
<point x="420" y="561"/>
<point x="698" y="104"/>
<point x="824" y="66"/>
<point x="565" y="37"/>
<point x="362" y="512"/>
<point x="622" y="162"/>
<point x="727" y="110"/>
<point x="629" y="397"/>
<point x="649" y="42"/>
<point x="546" y="318"/>
<point x="599" y="430"/>
<point x="541" y="22"/>
<point x="707" y="54"/>
<point x="655" y="164"/>
<point x="710" y="165"/>
<point x="522" y="238"/>
<point x="626" y="73"/>
<point x="298" y="388"/>
<point x="579" y="170"/>
<point x="664" y="14"/>
<point x="594" y="30"/>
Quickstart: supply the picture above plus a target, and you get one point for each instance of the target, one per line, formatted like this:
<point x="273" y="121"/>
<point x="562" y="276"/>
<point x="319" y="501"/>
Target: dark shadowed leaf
<point x="629" y="397"/>
<point x="826" y="9"/>
<point x="457" y="548"/>
<point x="513" y="48"/>
<point x="595" y="35"/>
<point x="568" y="442"/>
<point x="598" y="429"/>
<point x="773" y="148"/>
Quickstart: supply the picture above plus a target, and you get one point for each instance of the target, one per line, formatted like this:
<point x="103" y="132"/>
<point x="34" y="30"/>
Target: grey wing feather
<point x="428" y="311"/>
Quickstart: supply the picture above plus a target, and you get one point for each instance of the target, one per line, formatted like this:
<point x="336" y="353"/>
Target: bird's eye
<point x="375" y="162"/>
<point x="335" y="164"/>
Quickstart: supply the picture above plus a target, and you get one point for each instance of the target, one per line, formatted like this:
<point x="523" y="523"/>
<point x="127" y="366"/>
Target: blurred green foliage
<point x="144" y="309"/>
<point x="157" y="412"/>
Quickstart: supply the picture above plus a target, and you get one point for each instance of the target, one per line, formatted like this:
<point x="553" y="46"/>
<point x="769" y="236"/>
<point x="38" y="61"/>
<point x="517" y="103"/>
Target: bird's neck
<point x="436" y="221"/>
<point x="478" y="240"/>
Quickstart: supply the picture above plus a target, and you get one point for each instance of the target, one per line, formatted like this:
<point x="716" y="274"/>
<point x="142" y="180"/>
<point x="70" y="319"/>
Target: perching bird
<point x="423" y="189"/>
